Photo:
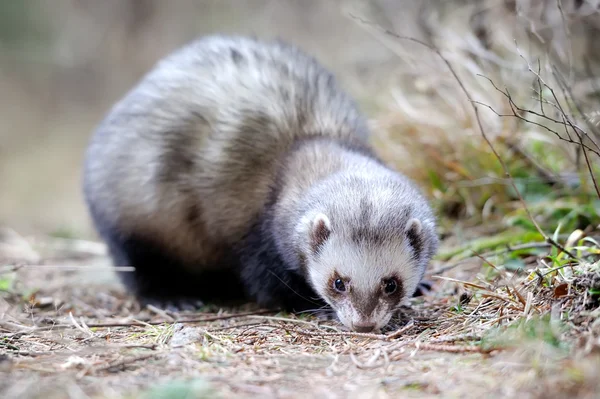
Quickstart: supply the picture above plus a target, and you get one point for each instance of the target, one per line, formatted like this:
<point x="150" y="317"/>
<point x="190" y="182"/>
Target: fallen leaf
<point x="561" y="290"/>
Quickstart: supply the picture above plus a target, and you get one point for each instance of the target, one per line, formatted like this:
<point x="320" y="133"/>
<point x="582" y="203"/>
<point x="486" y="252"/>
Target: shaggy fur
<point x="208" y="176"/>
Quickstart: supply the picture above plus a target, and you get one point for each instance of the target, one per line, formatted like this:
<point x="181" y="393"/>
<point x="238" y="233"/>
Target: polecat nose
<point x="363" y="328"/>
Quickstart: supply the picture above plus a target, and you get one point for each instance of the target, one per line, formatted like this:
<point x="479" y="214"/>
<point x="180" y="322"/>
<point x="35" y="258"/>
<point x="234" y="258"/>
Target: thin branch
<point x="121" y="364"/>
<point x="509" y="248"/>
<point x="486" y="138"/>
<point x="352" y="334"/>
<point x="11" y="268"/>
<point x="567" y="34"/>
<point x="455" y="348"/>
<point x="547" y="176"/>
<point x="563" y="178"/>
<point x="152" y="323"/>
<point x="514" y="114"/>
<point x="507" y="173"/>
<point x="188" y="321"/>
<point x="541" y="91"/>
<point x="562" y="112"/>
<point x="483" y="290"/>
<point x="401" y="331"/>
<point x="566" y="121"/>
<point x="567" y="93"/>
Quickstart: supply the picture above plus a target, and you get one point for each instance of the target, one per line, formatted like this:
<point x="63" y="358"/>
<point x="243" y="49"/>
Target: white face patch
<point x="365" y="272"/>
<point x="377" y="242"/>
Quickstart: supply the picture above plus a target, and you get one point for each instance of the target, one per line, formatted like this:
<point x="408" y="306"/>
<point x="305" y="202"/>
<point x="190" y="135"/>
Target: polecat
<point x="238" y="168"/>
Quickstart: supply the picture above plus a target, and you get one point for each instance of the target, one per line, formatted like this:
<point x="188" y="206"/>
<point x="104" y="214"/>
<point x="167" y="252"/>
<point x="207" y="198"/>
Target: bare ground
<point x="69" y="330"/>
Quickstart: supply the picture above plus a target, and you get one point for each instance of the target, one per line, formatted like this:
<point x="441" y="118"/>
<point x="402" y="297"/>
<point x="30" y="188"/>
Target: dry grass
<point x="484" y="329"/>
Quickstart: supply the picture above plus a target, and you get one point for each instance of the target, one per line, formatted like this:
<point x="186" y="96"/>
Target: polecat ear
<point x="319" y="231"/>
<point x="413" y="232"/>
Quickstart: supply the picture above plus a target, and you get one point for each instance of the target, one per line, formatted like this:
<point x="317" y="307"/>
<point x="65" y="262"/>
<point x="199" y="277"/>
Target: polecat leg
<point x="161" y="280"/>
<point x="423" y="288"/>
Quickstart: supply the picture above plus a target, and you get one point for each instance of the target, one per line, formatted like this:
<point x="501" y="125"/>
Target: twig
<point x="160" y="312"/>
<point x="444" y="269"/>
<point x="253" y="324"/>
<point x="482" y="131"/>
<point x="145" y="324"/>
<point x="9" y="346"/>
<point x="556" y="269"/>
<point x="484" y="290"/>
<point x="11" y="268"/>
<point x="284" y="319"/>
<point x="487" y="262"/>
<point x="547" y="176"/>
<point x="138" y="346"/>
<point x="198" y="320"/>
<point x="401" y="331"/>
<point x="454" y="338"/>
<point x="567" y="93"/>
<point x="567" y="34"/>
<point x="514" y="107"/>
<point x="81" y="328"/>
<point x="380" y="337"/>
<point x="369" y="364"/>
<point x="454" y="348"/>
<point x="70" y="267"/>
<point x="512" y="248"/>
<point x="28" y="353"/>
<point x="562" y="178"/>
<point x="566" y="120"/>
<point x="509" y="248"/>
<point x="124" y="362"/>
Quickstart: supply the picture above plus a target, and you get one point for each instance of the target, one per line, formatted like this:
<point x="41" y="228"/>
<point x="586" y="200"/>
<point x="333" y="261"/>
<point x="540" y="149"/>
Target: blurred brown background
<point x="63" y="63"/>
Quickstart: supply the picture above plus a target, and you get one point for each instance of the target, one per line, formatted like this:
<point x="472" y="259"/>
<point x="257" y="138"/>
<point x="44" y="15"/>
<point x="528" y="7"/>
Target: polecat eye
<point x="339" y="285"/>
<point x="390" y="285"/>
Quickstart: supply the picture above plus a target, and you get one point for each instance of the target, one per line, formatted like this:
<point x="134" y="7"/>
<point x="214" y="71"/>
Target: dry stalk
<point x="124" y="362"/>
<point x="565" y="121"/>
<point x="567" y="93"/>
<point x="188" y="321"/>
<point x="136" y="323"/>
<point x="380" y="337"/>
<point x="509" y="248"/>
<point x="454" y="348"/>
<point x="473" y="103"/>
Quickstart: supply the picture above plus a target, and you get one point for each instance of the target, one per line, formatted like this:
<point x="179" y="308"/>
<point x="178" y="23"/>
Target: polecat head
<point x="368" y="259"/>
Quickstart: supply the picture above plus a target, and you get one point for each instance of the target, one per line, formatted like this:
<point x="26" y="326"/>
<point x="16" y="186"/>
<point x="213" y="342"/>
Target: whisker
<point x="291" y="289"/>
<point x="324" y="309"/>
